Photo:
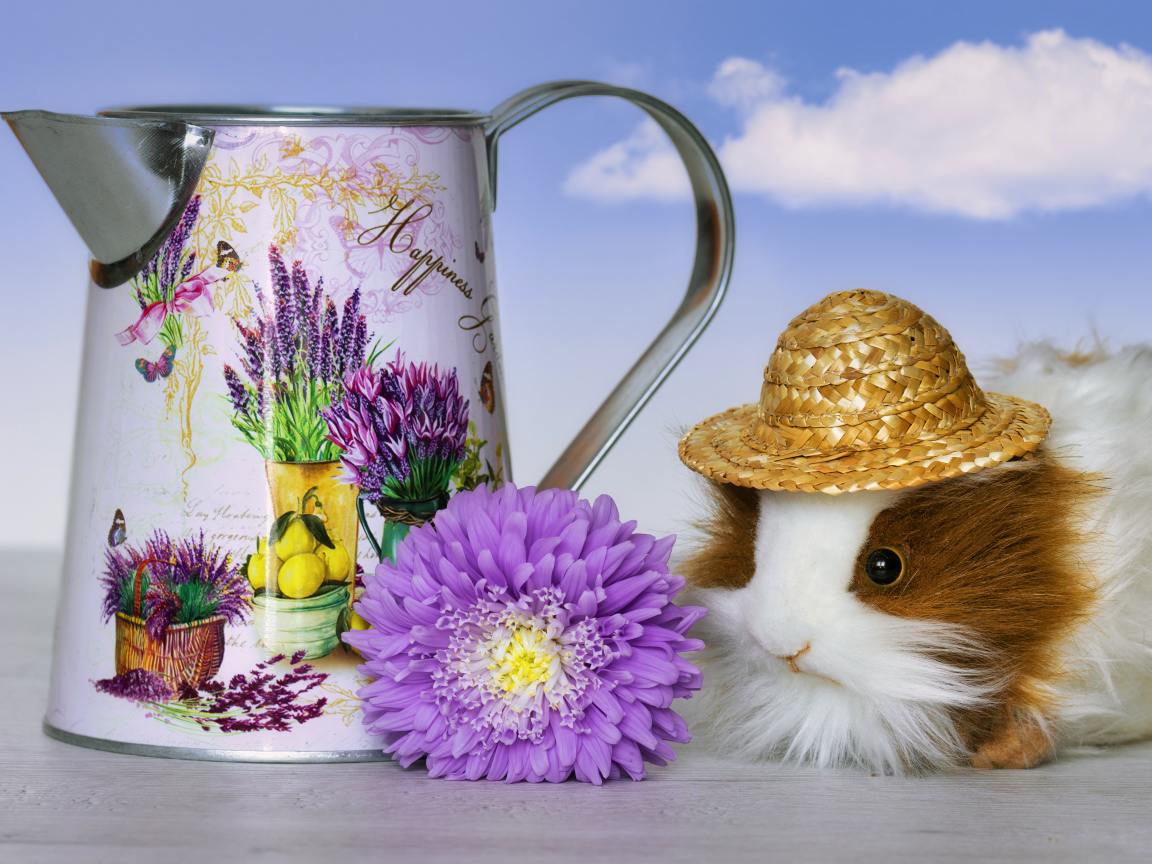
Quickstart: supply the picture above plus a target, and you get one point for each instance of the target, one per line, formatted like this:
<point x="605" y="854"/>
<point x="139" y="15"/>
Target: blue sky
<point x="589" y="268"/>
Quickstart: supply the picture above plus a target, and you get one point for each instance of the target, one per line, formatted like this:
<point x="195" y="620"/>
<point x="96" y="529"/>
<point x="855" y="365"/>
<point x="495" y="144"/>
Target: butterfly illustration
<point x="487" y="390"/>
<point x="119" y="531"/>
<point x="227" y="258"/>
<point x="479" y="255"/>
<point x="162" y="368"/>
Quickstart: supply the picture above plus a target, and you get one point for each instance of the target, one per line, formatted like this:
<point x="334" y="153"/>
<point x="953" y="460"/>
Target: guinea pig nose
<point x="791" y="658"/>
<point x="770" y="646"/>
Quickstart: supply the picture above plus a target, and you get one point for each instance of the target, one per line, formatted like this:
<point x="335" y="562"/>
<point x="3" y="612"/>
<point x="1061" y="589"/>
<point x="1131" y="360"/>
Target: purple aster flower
<point x="527" y="636"/>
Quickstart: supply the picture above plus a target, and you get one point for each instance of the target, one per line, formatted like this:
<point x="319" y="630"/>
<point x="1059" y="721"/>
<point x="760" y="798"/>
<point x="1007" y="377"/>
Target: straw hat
<point x="863" y="391"/>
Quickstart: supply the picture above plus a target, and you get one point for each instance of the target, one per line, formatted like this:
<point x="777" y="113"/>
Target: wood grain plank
<point x="63" y="803"/>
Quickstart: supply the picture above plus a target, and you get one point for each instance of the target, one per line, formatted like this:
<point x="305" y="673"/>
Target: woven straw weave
<point x="188" y="654"/>
<point x="863" y="391"/>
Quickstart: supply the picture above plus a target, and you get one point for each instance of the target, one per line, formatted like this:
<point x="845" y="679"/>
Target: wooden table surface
<point x="64" y="803"/>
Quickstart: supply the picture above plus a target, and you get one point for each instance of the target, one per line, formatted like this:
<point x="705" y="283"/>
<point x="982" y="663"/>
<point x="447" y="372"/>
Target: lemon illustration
<point x="301" y="575"/>
<point x="356" y="622"/>
<point x="256" y="574"/>
<point x="262" y="545"/>
<point x="297" y="540"/>
<point x="258" y="566"/>
<point x="335" y="560"/>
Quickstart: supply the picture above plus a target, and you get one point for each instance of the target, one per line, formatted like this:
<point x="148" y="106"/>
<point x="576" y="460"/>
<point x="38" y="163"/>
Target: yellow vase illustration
<point x="307" y="565"/>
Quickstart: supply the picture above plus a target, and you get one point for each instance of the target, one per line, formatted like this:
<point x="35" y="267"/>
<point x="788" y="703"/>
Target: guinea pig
<point x="907" y="573"/>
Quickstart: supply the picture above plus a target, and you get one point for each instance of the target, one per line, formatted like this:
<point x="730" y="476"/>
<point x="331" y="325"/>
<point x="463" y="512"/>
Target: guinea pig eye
<point x="884" y="566"/>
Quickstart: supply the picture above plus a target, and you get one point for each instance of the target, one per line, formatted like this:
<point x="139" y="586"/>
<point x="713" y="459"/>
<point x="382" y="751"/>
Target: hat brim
<point x="724" y="449"/>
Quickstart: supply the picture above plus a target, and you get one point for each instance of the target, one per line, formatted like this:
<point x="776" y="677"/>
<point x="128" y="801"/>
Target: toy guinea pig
<point x="909" y="574"/>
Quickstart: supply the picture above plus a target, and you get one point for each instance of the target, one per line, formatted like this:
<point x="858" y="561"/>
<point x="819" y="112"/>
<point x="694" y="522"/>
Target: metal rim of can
<point x="299" y="115"/>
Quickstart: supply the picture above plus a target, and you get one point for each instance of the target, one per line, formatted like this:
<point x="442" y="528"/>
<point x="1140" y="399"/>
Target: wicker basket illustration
<point x="188" y="654"/>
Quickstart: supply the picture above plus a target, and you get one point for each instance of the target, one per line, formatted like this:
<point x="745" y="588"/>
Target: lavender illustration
<point x="258" y="701"/>
<point x="181" y="582"/>
<point x="167" y="289"/>
<point x="293" y="363"/>
<point x="402" y="430"/>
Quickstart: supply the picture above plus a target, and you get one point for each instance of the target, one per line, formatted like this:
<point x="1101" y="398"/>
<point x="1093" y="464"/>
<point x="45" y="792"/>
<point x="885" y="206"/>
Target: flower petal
<point x="524" y="635"/>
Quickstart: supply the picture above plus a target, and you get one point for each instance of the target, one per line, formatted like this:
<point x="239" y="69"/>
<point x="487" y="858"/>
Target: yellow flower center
<point x="522" y="660"/>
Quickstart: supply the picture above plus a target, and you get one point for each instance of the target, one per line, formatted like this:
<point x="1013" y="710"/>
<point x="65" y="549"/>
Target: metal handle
<point x="711" y="270"/>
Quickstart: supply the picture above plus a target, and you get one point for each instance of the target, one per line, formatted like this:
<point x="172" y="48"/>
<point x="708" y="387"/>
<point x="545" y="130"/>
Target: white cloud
<point x="983" y="131"/>
<point x="743" y="84"/>
<point x="643" y="166"/>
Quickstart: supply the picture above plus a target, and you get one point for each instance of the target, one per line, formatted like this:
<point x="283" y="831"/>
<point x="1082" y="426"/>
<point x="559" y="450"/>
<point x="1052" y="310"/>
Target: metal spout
<point x="122" y="183"/>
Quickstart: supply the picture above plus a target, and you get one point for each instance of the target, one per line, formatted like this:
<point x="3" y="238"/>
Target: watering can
<point x="292" y="337"/>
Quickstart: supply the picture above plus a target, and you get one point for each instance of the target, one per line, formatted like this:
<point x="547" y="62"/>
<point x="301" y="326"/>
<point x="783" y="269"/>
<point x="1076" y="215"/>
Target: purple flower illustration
<point x="527" y="636"/>
<point x="181" y="582"/>
<point x="166" y="263"/>
<point x="258" y="701"/>
<point x="236" y="391"/>
<point x="402" y="429"/>
<point x="327" y="338"/>
<point x="167" y="290"/>
<point x="137" y="685"/>
<point x="296" y="352"/>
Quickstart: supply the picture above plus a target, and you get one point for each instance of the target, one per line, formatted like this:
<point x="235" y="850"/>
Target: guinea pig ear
<point x="724" y="551"/>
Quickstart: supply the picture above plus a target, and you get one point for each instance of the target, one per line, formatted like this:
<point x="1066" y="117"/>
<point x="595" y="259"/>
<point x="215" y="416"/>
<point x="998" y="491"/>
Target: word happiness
<point x="402" y="242"/>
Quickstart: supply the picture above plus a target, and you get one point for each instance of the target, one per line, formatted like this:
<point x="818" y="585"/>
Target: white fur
<point x="868" y="692"/>
<point x="1102" y="423"/>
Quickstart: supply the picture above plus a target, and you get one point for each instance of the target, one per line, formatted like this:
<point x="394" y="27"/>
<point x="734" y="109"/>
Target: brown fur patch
<point x="1018" y="742"/>
<point x="1000" y="553"/>
<point x="1083" y="358"/>
<point x="725" y="554"/>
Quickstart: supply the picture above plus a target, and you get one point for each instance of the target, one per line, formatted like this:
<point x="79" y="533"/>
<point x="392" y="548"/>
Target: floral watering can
<point x="292" y="340"/>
